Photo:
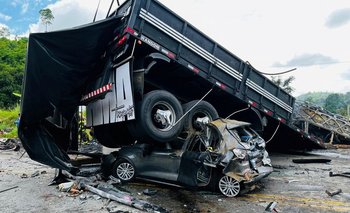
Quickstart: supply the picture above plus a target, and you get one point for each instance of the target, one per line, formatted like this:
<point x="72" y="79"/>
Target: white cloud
<point x="338" y="18"/>
<point x="265" y="32"/>
<point x="72" y="13"/>
<point x="5" y="17"/>
<point x="261" y="32"/>
<point x="24" y="7"/>
<point x="5" y="31"/>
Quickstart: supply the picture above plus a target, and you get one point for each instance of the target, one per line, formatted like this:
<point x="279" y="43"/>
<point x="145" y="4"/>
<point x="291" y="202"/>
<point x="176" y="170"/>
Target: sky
<point x="273" y="35"/>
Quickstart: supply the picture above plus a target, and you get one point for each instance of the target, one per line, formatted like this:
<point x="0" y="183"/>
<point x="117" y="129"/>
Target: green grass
<point x="7" y="121"/>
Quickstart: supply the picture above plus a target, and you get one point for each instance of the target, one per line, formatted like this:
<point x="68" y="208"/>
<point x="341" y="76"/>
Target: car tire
<point x="202" y="109"/>
<point x="228" y="186"/>
<point x="124" y="170"/>
<point x="150" y="125"/>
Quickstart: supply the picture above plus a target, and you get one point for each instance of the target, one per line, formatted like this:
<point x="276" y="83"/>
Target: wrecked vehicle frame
<point x="226" y="156"/>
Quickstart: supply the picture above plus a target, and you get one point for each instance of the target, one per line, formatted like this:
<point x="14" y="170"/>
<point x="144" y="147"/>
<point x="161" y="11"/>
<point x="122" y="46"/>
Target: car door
<point x="193" y="171"/>
<point x="161" y="164"/>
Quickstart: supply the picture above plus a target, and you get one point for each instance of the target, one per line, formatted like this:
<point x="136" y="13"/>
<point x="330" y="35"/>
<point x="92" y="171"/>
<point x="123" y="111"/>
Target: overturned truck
<point x="146" y="75"/>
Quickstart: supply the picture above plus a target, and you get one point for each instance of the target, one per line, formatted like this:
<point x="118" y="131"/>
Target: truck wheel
<point x="201" y="110"/>
<point x="157" y="115"/>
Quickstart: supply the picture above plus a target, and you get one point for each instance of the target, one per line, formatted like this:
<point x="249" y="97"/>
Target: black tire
<point x="202" y="109"/>
<point x="113" y="135"/>
<point x="149" y="125"/>
<point x="124" y="170"/>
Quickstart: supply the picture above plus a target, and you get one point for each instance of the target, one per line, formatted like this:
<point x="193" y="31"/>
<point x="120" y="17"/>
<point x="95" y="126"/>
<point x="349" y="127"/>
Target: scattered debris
<point x="59" y="178"/>
<point x="36" y="173"/>
<point x="9" y="144"/>
<point x="279" y="167"/>
<point x="113" y="180"/>
<point x="312" y="160"/>
<point x="82" y="197"/>
<point x="124" y="199"/>
<point x="331" y="194"/>
<point x="24" y="175"/>
<point x="292" y="181"/>
<point x="271" y="207"/>
<point x="4" y="190"/>
<point x="66" y="187"/>
<point x="344" y="174"/>
<point x="150" y="192"/>
<point x="115" y="209"/>
<point x="96" y="197"/>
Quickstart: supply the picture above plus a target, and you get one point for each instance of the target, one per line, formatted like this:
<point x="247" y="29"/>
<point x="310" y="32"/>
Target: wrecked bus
<point x="146" y="75"/>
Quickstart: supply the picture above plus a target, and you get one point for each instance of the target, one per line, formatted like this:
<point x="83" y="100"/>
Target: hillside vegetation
<point x="333" y="102"/>
<point x="12" y="62"/>
<point x="8" y="127"/>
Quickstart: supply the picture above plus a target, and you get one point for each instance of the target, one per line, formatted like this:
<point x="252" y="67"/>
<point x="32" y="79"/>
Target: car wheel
<point x="228" y="186"/>
<point x="157" y="115"/>
<point x="201" y="110"/>
<point x="124" y="170"/>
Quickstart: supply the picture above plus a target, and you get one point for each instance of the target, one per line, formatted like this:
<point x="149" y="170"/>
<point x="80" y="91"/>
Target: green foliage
<point x="7" y="122"/>
<point x="333" y="102"/>
<point x="46" y="16"/>
<point x="12" y="62"/>
<point x="285" y="84"/>
<point x="4" y="31"/>
<point x="317" y="98"/>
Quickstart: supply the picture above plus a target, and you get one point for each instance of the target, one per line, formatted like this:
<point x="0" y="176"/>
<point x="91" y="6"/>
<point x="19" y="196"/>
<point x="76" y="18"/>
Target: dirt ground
<point x="295" y="188"/>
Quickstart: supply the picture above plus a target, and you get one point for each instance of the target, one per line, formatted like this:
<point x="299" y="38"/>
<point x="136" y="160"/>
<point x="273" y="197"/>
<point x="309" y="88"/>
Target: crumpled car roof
<point x="228" y="123"/>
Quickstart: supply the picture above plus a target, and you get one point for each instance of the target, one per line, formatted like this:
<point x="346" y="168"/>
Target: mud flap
<point x="118" y="104"/>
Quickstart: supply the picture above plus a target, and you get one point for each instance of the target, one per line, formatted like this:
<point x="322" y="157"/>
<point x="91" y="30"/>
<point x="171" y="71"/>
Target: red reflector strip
<point x="252" y="103"/>
<point x="171" y="55"/>
<point x="122" y="40"/>
<point x="281" y="119"/>
<point x="222" y="86"/>
<point x="99" y="91"/>
<point x="268" y="112"/>
<point x="194" y="69"/>
<point x="131" y="31"/>
<point x="168" y="53"/>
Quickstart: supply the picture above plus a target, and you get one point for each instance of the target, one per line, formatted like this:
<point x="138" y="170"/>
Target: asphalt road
<point x="295" y="188"/>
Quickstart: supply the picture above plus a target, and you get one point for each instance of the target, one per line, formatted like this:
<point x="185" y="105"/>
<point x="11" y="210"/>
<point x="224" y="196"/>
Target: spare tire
<point x="201" y="110"/>
<point x="157" y="115"/>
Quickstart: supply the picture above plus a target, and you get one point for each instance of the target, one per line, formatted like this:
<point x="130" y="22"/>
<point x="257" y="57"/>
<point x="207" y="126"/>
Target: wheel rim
<point x="200" y="114"/>
<point x="229" y="186"/>
<point x="125" y="171"/>
<point x="163" y="116"/>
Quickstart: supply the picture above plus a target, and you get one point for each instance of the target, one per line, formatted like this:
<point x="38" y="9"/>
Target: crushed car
<point x="226" y="156"/>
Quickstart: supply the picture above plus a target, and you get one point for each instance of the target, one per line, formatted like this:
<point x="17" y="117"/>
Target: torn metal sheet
<point x="63" y="61"/>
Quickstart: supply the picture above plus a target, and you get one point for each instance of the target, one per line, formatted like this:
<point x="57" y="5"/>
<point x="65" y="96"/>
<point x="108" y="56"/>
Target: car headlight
<point x="239" y="153"/>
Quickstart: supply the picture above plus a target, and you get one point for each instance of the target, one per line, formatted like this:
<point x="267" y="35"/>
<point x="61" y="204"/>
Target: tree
<point x="46" y="17"/>
<point x="12" y="60"/>
<point x="284" y="83"/>
<point x="334" y="103"/>
<point x="4" y="31"/>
